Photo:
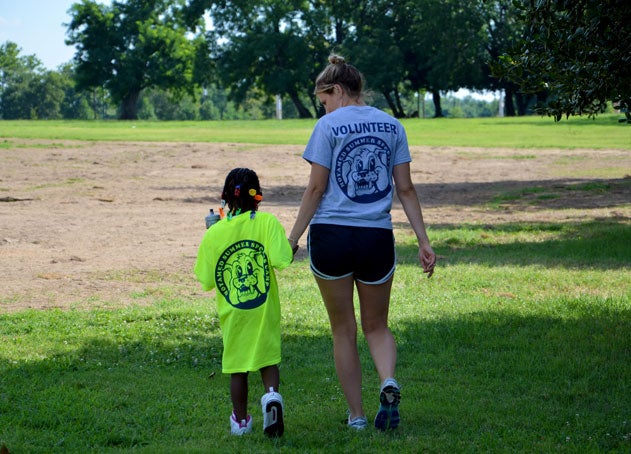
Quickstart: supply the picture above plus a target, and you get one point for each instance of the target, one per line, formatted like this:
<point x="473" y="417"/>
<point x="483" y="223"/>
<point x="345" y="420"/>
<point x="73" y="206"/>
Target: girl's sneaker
<point x="389" y="398"/>
<point x="272" y="406"/>
<point x="240" y="427"/>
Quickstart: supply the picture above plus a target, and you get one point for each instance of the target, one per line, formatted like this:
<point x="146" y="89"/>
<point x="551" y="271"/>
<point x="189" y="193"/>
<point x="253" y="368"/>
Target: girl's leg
<point x="271" y="377"/>
<point x="272" y="403"/>
<point x="239" y="395"/>
<point x="338" y="300"/>
<point x="374" y="302"/>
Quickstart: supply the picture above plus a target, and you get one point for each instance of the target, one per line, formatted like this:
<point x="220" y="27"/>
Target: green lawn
<point x="524" y="132"/>
<point x="521" y="342"/>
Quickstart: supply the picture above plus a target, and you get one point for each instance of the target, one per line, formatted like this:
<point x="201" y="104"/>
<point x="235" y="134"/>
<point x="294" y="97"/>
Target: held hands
<point x="294" y="245"/>
<point x="427" y="257"/>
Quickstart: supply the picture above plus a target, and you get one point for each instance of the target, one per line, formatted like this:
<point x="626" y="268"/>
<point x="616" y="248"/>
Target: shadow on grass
<point x="606" y="120"/>
<point x="155" y="392"/>
<point x="484" y="381"/>
<point x="561" y="193"/>
<point x="564" y="193"/>
<point x="494" y="381"/>
<point x="601" y="245"/>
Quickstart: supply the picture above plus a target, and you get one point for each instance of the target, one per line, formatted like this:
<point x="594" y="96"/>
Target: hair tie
<point x="237" y="190"/>
<point x="258" y="197"/>
<point x="252" y="192"/>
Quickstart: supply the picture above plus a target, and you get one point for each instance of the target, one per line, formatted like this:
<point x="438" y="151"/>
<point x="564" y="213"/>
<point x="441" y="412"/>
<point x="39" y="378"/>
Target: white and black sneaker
<point x="389" y="398"/>
<point x="272" y="406"/>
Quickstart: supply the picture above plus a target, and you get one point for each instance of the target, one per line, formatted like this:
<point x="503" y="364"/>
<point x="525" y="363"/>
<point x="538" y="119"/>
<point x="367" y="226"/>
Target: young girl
<point x="237" y="256"/>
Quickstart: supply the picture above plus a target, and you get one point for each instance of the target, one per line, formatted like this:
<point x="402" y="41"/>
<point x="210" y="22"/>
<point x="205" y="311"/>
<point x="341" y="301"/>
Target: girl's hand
<point x="294" y="245"/>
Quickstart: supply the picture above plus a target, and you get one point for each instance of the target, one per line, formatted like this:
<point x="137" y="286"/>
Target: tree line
<point x="229" y="59"/>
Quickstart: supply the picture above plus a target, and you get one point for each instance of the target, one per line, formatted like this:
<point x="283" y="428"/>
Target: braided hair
<point x="242" y="191"/>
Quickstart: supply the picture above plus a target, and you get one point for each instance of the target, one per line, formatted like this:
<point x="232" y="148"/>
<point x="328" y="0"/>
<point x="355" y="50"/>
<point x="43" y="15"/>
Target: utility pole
<point x="279" y="107"/>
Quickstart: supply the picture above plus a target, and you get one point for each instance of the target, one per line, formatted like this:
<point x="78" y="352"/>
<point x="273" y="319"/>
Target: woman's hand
<point x="294" y="245"/>
<point x="427" y="258"/>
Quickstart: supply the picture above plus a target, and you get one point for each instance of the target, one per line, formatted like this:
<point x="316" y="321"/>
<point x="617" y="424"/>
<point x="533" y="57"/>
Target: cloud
<point x="15" y="22"/>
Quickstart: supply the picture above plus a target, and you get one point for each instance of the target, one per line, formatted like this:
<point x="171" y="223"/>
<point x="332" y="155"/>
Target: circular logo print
<point x="242" y="275"/>
<point x="361" y="169"/>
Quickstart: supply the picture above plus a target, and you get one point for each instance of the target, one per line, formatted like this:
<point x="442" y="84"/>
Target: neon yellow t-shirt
<point x="237" y="257"/>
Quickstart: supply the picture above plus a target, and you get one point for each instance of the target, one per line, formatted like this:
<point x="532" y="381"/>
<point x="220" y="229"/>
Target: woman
<point x="356" y="152"/>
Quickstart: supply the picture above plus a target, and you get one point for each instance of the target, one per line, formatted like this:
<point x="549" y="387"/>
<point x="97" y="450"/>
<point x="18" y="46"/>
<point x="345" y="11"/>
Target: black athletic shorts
<point x="338" y="251"/>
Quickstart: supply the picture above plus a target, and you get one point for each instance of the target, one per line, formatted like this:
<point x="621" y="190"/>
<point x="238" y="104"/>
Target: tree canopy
<point x="28" y="90"/>
<point x="575" y="55"/>
<point x="129" y="46"/>
<point x="565" y="57"/>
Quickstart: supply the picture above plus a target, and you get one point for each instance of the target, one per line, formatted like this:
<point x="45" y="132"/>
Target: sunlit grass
<point x="522" y="132"/>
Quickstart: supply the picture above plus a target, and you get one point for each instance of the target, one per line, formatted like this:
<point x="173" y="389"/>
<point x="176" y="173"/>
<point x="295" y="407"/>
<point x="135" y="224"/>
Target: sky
<point x="36" y="26"/>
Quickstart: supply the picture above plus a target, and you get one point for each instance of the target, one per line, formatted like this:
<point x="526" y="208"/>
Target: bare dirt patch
<point x="108" y="224"/>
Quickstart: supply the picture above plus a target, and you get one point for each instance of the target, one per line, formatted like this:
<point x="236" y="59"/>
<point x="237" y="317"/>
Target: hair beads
<point x="241" y="192"/>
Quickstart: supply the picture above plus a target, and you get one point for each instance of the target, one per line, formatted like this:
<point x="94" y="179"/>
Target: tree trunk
<point x="400" y="110"/>
<point x="129" y="106"/>
<point x="438" y="110"/>
<point x="396" y="111"/>
<point x="388" y="98"/>
<point x="522" y="103"/>
<point x="303" y="112"/>
<point x="317" y="107"/>
<point x="509" y="104"/>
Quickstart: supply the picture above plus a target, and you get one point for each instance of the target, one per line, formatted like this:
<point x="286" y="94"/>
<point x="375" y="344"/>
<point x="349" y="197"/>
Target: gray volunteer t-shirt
<point x="360" y="145"/>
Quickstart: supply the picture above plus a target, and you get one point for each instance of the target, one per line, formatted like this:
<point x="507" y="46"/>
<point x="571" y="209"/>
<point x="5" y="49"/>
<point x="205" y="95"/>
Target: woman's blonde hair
<point x="338" y="72"/>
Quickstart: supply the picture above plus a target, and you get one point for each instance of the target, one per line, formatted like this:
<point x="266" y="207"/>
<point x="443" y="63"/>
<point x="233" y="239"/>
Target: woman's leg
<point x="338" y="300"/>
<point x="374" y="302"/>
<point x="239" y="395"/>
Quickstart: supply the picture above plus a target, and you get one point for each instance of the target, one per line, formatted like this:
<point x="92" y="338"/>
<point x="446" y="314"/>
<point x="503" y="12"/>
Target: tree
<point x="378" y="27"/>
<point x="130" y="46"/>
<point x="575" y="55"/>
<point x="441" y="42"/>
<point x="503" y="28"/>
<point x="27" y="90"/>
<point x="75" y="104"/>
<point x="17" y="75"/>
<point x="263" y="46"/>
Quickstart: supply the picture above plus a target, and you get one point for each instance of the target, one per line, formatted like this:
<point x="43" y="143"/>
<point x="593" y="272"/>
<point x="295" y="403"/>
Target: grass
<point x="519" y="343"/>
<point x="524" y="132"/>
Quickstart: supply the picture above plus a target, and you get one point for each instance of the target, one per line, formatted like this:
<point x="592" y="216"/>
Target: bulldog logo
<point x="362" y="169"/>
<point x="242" y="275"/>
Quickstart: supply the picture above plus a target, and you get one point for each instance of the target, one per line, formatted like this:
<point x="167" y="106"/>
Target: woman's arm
<point x="318" y="180"/>
<point x="409" y="199"/>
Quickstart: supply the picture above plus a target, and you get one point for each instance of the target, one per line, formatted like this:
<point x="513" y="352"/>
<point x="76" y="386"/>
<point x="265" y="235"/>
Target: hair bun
<point x="336" y="59"/>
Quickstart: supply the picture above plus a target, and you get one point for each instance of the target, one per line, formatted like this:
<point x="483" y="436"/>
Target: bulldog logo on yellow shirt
<point x="242" y="274"/>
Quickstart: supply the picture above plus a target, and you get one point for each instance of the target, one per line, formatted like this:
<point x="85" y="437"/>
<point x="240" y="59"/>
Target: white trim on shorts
<point x="326" y="277"/>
